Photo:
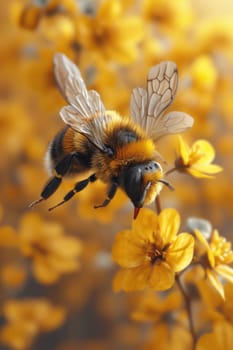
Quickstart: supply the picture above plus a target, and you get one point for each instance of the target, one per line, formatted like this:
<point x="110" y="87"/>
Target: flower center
<point x="221" y="249"/>
<point x="40" y="249"/>
<point x="195" y="156"/>
<point x="153" y="253"/>
<point x="161" y="15"/>
<point x="102" y="36"/>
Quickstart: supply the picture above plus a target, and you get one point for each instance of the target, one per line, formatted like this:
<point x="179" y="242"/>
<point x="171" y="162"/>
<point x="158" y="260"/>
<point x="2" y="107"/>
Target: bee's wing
<point x="138" y="106"/>
<point x="86" y="112"/>
<point x="147" y="107"/>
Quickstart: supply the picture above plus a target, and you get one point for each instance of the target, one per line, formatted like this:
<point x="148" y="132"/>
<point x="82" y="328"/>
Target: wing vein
<point x="147" y="106"/>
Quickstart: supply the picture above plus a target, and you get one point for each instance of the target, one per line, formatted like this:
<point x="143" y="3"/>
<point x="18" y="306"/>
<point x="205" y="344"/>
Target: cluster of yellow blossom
<point x="28" y="318"/>
<point x="154" y="257"/>
<point x="56" y="269"/>
<point x="152" y="252"/>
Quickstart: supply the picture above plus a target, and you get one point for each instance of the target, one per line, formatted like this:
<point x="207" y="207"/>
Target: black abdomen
<point x="68" y="142"/>
<point x="56" y="147"/>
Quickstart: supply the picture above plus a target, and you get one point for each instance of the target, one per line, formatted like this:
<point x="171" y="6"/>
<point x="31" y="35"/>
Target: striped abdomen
<point x="66" y="142"/>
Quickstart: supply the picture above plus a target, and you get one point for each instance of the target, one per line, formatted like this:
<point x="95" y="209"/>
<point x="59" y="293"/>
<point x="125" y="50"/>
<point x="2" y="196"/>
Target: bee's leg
<point x="79" y="186"/>
<point x="51" y="186"/>
<point x="111" y="193"/>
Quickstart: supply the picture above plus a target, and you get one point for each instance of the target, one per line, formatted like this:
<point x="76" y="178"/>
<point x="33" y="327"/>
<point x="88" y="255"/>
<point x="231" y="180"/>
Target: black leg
<point x="110" y="195"/>
<point x="79" y="186"/>
<point x="51" y="186"/>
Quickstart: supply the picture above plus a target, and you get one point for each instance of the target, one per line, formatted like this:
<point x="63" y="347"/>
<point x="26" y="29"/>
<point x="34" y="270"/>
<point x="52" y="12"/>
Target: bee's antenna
<point x="167" y="183"/>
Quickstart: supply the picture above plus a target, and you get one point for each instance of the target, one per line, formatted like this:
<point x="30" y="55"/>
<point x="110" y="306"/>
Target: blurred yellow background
<point x="56" y="268"/>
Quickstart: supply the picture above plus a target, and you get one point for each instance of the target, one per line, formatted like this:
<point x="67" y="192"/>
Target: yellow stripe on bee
<point x="55" y="173"/>
<point x="140" y="150"/>
<point x="153" y="191"/>
<point x="155" y="186"/>
<point x="153" y="176"/>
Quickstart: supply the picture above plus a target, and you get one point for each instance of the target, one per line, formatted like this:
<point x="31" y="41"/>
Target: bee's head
<point x="142" y="182"/>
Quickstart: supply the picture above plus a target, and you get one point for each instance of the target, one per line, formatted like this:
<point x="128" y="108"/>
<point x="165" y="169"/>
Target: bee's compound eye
<point x="157" y="166"/>
<point x="153" y="166"/>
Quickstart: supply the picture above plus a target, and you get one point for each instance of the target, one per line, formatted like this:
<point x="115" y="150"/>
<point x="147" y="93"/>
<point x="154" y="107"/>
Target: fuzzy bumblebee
<point x="119" y="152"/>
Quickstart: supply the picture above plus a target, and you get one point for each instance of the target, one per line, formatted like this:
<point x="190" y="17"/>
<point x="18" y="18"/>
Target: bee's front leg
<point x="111" y="193"/>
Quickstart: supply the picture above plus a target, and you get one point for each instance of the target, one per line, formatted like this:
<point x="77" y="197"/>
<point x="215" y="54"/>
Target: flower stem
<point x="188" y="309"/>
<point x="158" y="205"/>
<point x="170" y="171"/>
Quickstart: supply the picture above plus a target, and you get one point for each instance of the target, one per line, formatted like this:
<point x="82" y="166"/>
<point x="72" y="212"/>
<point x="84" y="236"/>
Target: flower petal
<point x="162" y="277"/>
<point x="169" y="223"/>
<point x="43" y="271"/>
<point x="205" y="150"/>
<point x="221" y="337"/>
<point x="128" y="250"/>
<point x="225" y="271"/>
<point x="199" y="170"/>
<point x="180" y="252"/>
<point x="208" y="168"/>
<point x="145" y="224"/>
<point x="132" y="279"/>
<point x="216" y="283"/>
<point x="199" y="174"/>
<point x="202" y="239"/>
<point x="8" y="237"/>
<point x="183" y="150"/>
<point x="131" y="29"/>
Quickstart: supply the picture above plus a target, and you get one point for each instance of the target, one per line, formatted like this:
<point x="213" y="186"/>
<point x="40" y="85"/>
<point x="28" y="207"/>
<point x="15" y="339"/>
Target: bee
<point x="120" y="152"/>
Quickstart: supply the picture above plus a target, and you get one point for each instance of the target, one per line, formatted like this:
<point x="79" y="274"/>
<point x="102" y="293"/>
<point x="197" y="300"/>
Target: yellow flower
<point x="26" y="319"/>
<point x="221" y="338"/>
<point x="12" y="276"/>
<point x="226" y="307"/>
<point x="167" y="14"/>
<point x="204" y="74"/>
<point x="216" y="259"/>
<point x="15" y="129"/>
<point x="175" y="337"/>
<point x="216" y="36"/>
<point x="52" y="252"/>
<point x="156" y="308"/>
<point x="59" y="25"/>
<point x="216" y="308"/>
<point x="196" y="160"/>
<point x="169" y="326"/>
<point x="33" y="13"/>
<point x="30" y="16"/>
<point x="8" y="237"/>
<point x="110" y="34"/>
<point x="151" y="252"/>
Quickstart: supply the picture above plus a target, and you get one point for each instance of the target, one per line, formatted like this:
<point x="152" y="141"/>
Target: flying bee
<point x="120" y="152"/>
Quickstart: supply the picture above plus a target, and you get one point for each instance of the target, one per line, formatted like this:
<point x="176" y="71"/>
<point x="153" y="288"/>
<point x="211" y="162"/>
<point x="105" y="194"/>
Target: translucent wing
<point x="138" y="106"/>
<point x="147" y="107"/>
<point x="85" y="112"/>
<point x="170" y="123"/>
